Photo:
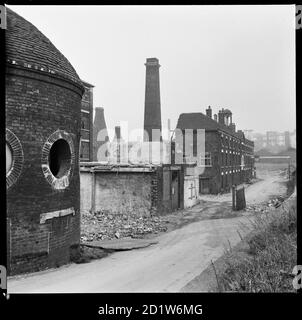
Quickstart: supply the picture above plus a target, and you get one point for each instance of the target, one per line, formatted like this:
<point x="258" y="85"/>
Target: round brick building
<point x="43" y="110"/>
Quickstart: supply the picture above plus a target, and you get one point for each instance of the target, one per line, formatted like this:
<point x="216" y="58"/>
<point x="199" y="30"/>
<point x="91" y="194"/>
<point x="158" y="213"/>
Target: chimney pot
<point x="209" y="112"/>
<point x="118" y="132"/>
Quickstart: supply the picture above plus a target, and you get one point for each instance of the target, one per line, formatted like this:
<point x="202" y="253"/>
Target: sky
<point x="236" y="57"/>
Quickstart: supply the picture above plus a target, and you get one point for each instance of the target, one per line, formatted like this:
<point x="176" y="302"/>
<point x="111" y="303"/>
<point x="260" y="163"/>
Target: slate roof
<point x="199" y="120"/>
<point x="27" y="46"/>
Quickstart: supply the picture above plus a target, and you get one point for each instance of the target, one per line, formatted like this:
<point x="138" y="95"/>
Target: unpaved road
<point x="179" y="256"/>
<point x="269" y="185"/>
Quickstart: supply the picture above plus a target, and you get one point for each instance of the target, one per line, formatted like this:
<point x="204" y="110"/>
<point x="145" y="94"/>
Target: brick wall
<point x="87" y="104"/>
<point x="36" y="106"/>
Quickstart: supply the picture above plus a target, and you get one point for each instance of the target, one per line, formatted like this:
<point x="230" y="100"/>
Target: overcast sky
<point x="236" y="57"/>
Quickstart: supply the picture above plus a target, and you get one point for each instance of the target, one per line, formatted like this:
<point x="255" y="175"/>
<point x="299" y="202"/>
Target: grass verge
<point x="270" y="256"/>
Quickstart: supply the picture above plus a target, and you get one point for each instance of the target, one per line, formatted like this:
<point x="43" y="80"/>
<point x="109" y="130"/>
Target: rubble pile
<point x="264" y="207"/>
<point x="106" y="226"/>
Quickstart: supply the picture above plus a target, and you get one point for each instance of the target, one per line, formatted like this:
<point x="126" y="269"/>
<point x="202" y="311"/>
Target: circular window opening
<point x="9" y="157"/>
<point x="59" y="158"/>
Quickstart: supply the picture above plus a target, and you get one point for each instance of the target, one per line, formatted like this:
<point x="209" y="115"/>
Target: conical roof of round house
<point x="27" y="47"/>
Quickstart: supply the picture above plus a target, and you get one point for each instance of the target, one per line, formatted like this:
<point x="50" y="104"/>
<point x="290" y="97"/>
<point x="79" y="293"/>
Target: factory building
<point x="227" y="157"/>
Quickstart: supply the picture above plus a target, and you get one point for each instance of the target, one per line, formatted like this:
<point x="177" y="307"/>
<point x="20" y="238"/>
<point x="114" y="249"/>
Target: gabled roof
<point x="199" y="120"/>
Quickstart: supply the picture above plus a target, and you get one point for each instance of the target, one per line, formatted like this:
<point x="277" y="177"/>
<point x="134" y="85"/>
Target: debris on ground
<point x="264" y="207"/>
<point x="105" y="226"/>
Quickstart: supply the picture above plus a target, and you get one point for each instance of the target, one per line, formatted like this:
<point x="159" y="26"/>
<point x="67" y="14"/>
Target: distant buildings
<point x="100" y="135"/>
<point x="273" y="141"/>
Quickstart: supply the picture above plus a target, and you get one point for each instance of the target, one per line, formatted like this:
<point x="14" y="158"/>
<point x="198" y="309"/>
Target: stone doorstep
<point x="120" y="244"/>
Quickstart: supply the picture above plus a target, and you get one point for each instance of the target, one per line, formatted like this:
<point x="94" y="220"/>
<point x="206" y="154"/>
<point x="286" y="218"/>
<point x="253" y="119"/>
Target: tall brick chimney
<point x="215" y="117"/>
<point x="209" y="112"/>
<point x="99" y="125"/>
<point x="152" y="116"/>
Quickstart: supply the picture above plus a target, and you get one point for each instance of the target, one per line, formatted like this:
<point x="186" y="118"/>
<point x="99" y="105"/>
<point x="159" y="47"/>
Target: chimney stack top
<point x="152" y="62"/>
<point x="209" y="112"/>
<point x="118" y="132"/>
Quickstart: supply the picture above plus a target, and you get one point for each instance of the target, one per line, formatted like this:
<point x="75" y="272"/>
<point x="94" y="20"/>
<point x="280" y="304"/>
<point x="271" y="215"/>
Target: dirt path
<point x="179" y="256"/>
<point x="168" y="266"/>
<point x="269" y="184"/>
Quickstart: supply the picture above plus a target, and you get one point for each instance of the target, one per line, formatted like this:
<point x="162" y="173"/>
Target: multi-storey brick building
<point x="86" y="147"/>
<point x="43" y="115"/>
<point x="227" y="158"/>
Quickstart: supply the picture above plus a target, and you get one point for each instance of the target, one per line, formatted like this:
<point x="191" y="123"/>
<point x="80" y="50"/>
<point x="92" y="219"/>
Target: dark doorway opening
<point x="175" y="185"/>
<point x="204" y="185"/>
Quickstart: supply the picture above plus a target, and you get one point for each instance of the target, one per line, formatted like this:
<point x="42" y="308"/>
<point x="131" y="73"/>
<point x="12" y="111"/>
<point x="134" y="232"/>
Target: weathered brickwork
<point x="159" y="204"/>
<point x="39" y="103"/>
<point x="86" y="147"/>
<point x="229" y="156"/>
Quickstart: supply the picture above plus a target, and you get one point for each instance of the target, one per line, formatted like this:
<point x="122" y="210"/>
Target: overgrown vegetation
<point x="270" y="258"/>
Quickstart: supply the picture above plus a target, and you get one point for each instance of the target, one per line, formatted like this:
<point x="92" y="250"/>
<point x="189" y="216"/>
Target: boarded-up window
<point x="166" y="185"/>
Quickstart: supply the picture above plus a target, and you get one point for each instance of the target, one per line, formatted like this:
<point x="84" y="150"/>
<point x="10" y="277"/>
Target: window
<point x="9" y="157"/>
<point x="85" y="135"/>
<point x="14" y="158"/>
<point x="194" y="143"/>
<point x="242" y="161"/>
<point x="59" y="158"/>
<point x="206" y="161"/>
<point x="84" y="151"/>
<point x="85" y="121"/>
